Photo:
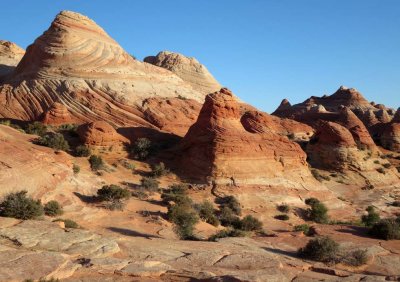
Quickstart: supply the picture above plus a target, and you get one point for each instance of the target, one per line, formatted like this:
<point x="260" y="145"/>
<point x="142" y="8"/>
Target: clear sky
<point x="264" y="50"/>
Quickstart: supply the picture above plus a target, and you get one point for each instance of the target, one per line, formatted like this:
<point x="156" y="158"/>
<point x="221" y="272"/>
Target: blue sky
<point x="264" y="50"/>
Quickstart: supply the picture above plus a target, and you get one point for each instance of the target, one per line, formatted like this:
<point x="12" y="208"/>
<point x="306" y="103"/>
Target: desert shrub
<point x="53" y="208"/>
<point x="387" y="229"/>
<point x="76" y="168"/>
<point x="322" y="249"/>
<point x="141" y="149"/>
<point x="305" y="228"/>
<point x="284" y="208"/>
<point x="396" y="204"/>
<point x="184" y="218"/>
<point x="381" y="170"/>
<point x="68" y="223"/>
<point x="180" y="97"/>
<point x="398" y="168"/>
<point x="227" y="233"/>
<point x="232" y="203"/>
<point x="5" y="122"/>
<point x="82" y="151"/>
<point x="36" y="128"/>
<point x="387" y="165"/>
<point x="96" y="162"/>
<point x="69" y="129"/>
<point x="149" y="184"/>
<point x="228" y="218"/>
<point x="371" y="218"/>
<point x="376" y="162"/>
<point x="159" y="170"/>
<point x="207" y="213"/>
<point x="176" y="193"/>
<point x="19" y="205"/>
<point x="112" y="193"/>
<point x="250" y="223"/>
<point x="356" y="258"/>
<point x="55" y="141"/>
<point x="317" y="175"/>
<point x="281" y="217"/>
<point x="318" y="212"/>
<point x="126" y="164"/>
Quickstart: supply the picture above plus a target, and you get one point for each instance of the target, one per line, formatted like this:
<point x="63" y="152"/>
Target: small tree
<point x="53" y="208"/>
<point x="96" y="162"/>
<point x="228" y="218"/>
<point x="176" y="193"/>
<point x="19" y="205"/>
<point x="159" y="170"/>
<point x="141" y="149"/>
<point x="371" y="218"/>
<point x="318" y="212"/>
<point x="322" y="249"/>
<point x="250" y="223"/>
<point x="207" y="213"/>
<point x="82" y="151"/>
<point x="184" y="219"/>
<point x="112" y="193"/>
<point x="387" y="229"/>
<point x="232" y="203"/>
<point x="55" y="141"/>
<point x="36" y="128"/>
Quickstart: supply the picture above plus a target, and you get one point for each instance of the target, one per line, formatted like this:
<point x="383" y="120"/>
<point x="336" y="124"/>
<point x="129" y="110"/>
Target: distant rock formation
<point x="76" y="63"/>
<point x="189" y="69"/>
<point x="219" y="148"/>
<point x="10" y="55"/>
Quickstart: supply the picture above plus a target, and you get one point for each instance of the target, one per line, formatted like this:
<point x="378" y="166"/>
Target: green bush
<point x="149" y="184"/>
<point x="159" y="170"/>
<point x="207" y="213"/>
<point x="19" y="205"/>
<point x="53" y="208"/>
<point x="317" y="175"/>
<point x="76" y="168"/>
<point x="282" y="217"/>
<point x="284" y="208"/>
<point x="305" y="228"/>
<point x="381" y="170"/>
<point x="228" y="218"/>
<point x="318" y="212"/>
<point x="82" y="151"/>
<point x="184" y="219"/>
<point x="250" y="223"/>
<point x="371" y="218"/>
<point x="387" y="229"/>
<point x="387" y="165"/>
<point x="55" y="141"/>
<point x="232" y="203"/>
<point x="68" y="223"/>
<point x="96" y="162"/>
<point x="36" y="128"/>
<point x="356" y="258"/>
<point x="176" y="193"/>
<point x="396" y="204"/>
<point x="112" y="193"/>
<point x="322" y="249"/>
<point x="227" y="233"/>
<point x="141" y="149"/>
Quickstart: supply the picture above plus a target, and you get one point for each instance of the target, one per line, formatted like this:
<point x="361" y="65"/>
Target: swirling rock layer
<point x="10" y="55"/>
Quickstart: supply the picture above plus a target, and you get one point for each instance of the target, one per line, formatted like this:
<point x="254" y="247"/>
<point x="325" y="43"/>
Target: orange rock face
<point x="219" y="148"/>
<point x="56" y="115"/>
<point x="76" y="63"/>
<point x="100" y="134"/>
<point x="390" y="138"/>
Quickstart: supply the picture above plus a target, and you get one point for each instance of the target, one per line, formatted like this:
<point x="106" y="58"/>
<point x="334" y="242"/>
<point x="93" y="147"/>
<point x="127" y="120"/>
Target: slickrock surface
<point x="76" y="63"/>
<point x="57" y="114"/>
<point x="189" y="69"/>
<point x="24" y="165"/>
<point x="100" y="134"/>
<point x="10" y="55"/>
<point x="217" y="147"/>
<point x="173" y="115"/>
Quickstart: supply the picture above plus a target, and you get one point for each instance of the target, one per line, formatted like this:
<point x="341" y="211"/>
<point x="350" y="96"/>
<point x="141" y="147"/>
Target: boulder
<point x="100" y="134"/>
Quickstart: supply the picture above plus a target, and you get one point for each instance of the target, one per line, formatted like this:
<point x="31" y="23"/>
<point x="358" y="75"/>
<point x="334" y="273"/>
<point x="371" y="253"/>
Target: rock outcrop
<point x="57" y="114"/>
<point x="390" y="138"/>
<point x="219" y="148"/>
<point x="76" y="63"/>
<point x="189" y="69"/>
<point x="10" y="55"/>
<point x="100" y="134"/>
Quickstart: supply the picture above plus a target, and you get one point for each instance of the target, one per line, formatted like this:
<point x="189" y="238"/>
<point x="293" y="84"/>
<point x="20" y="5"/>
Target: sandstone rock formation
<point x="100" y="134"/>
<point x="218" y="147"/>
<point x="189" y="69"/>
<point x="76" y="63"/>
<point x="10" y="55"/>
<point x="390" y="138"/>
<point x="57" y="114"/>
